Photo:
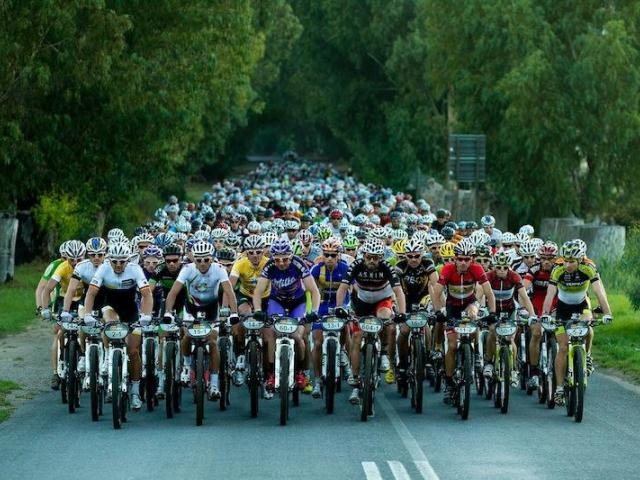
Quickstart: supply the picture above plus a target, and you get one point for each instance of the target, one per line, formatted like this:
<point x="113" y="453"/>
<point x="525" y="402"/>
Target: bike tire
<point x="367" y="383"/>
<point x="93" y="383"/>
<point x="72" y="376"/>
<point x="418" y="373"/>
<point x="223" y="374"/>
<point x="254" y="378"/>
<point x="552" y="351"/>
<point x="284" y="384"/>
<point x="116" y="397"/>
<point x="465" y="388"/>
<point x="169" y="379"/>
<point x="437" y="383"/>
<point x="150" y="374"/>
<point x="524" y="367"/>
<point x="505" y="379"/>
<point x="200" y="385"/>
<point x="542" y="385"/>
<point x="579" y="383"/>
<point x="570" y="392"/>
<point x="330" y="379"/>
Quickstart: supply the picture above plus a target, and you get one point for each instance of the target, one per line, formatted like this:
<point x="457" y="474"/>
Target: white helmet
<point x="114" y="234"/>
<point x="373" y="246"/>
<point x="480" y="237"/>
<point x="269" y="238"/>
<point x="201" y="235"/>
<point x="508" y="238"/>
<point x="399" y="234"/>
<point x="379" y="233"/>
<point x="219" y="233"/>
<point x="254" y="227"/>
<point x="96" y="245"/>
<point x="119" y="251"/>
<point x="202" y="248"/>
<point x="465" y="247"/>
<point x="527" y="230"/>
<point x="76" y="249"/>
<point x="521" y="238"/>
<point x="254" y="242"/>
<point x="414" y="245"/>
<point x="528" y="248"/>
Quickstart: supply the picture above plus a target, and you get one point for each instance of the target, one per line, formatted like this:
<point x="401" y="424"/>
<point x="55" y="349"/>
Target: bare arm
<point x="146" y="306"/>
<point x="601" y="295"/>
<point x="229" y="296"/>
<point x="525" y="301"/>
<point x="172" y="295"/>
<point x="548" y="300"/>
<point x="90" y="298"/>
<point x="312" y="288"/>
<point x="438" y="290"/>
<point x="491" y="299"/>
<point x="341" y="294"/>
<point x="261" y="287"/>
<point x="68" y="297"/>
<point x="39" y="289"/>
<point x="46" y="292"/>
<point x="402" y="304"/>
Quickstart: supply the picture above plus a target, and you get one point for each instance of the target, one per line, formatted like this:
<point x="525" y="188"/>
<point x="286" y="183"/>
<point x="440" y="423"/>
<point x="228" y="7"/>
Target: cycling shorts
<point x="565" y="310"/>
<point x="242" y="299"/>
<point x="296" y="308"/>
<point x="363" y="309"/>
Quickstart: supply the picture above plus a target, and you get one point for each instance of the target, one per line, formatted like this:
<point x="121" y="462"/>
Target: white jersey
<point x="120" y="288"/>
<point x="202" y="288"/>
<point x="84" y="271"/>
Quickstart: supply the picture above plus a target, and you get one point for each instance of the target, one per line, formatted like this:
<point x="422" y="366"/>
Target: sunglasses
<point x="547" y="258"/>
<point x="254" y="252"/>
<point x="96" y="254"/>
<point x="483" y="260"/>
<point x="226" y="265"/>
<point x="142" y="247"/>
<point x="203" y="260"/>
<point x="529" y="256"/>
<point x="434" y="247"/>
<point x="330" y="255"/>
<point x="414" y="256"/>
<point x="119" y="262"/>
<point x="448" y="260"/>
<point x="281" y="259"/>
<point x="349" y="249"/>
<point x="501" y="267"/>
<point x="463" y="259"/>
<point x="171" y="261"/>
<point x="507" y="245"/>
<point x="372" y="257"/>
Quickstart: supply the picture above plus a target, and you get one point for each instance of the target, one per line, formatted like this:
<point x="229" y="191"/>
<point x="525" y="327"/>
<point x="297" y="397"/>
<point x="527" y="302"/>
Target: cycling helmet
<point x="472" y="225"/>
<point x="254" y="227"/>
<point x="139" y="230"/>
<point x="502" y="259"/>
<point x="537" y="242"/>
<point x="201" y="235"/>
<point x="433" y="238"/>
<point x="446" y="250"/>
<point x="291" y="225"/>
<point x="378" y="233"/>
<point x="462" y="225"/>
<point x="399" y="234"/>
<point x="218" y="234"/>
<point x="63" y="249"/>
<point x="336" y="214"/>
<point x="297" y="247"/>
<point x="172" y="209"/>
<point x="232" y="241"/>
<point x="465" y="247"/>
<point x="163" y="239"/>
<point x="202" y="248"/>
<point x="152" y="251"/>
<point x="188" y="245"/>
<point x="305" y="237"/>
<point x="521" y="238"/>
<point x="160" y="214"/>
<point x="572" y="249"/>
<point x="324" y="232"/>
<point x="488" y="221"/>
<point x="421" y="236"/>
<point x="528" y="248"/>
<point x="331" y="244"/>
<point x="452" y="225"/>
<point x="76" y="249"/>
<point x="448" y="233"/>
<point x="548" y="249"/>
<point x="360" y="220"/>
<point x="373" y="246"/>
<point x="119" y="251"/>
<point x="115" y="234"/>
<point x="441" y="213"/>
<point x="375" y="219"/>
<point x="483" y="251"/>
<point x="582" y="245"/>
<point x="351" y="242"/>
<point x="172" y="249"/>
<point x="508" y="238"/>
<point x="226" y="254"/>
<point x="281" y="246"/>
<point x="96" y="245"/>
<point x="254" y="242"/>
<point x="398" y="246"/>
<point x="414" y="245"/>
<point x="480" y="237"/>
<point x="265" y="226"/>
<point x="269" y="238"/>
<point x="527" y="230"/>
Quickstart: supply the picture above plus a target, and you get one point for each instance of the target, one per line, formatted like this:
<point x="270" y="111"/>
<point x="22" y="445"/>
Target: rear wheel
<point x="465" y="389"/>
<point x="418" y="373"/>
<point x="284" y="384"/>
<point x="93" y="383"/>
<point x="552" y="351"/>
<point x="330" y="379"/>
<point x="73" y="391"/>
<point x="200" y="386"/>
<point x="116" y="397"/>
<point x="505" y="379"/>
<point x="150" y="373"/>
<point x="224" y="373"/>
<point x="169" y="379"/>
<point x="254" y="379"/>
<point x="578" y="366"/>
<point x="367" y="383"/>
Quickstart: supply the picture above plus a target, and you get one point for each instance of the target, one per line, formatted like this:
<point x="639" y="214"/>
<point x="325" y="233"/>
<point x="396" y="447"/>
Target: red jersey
<point x="540" y="281"/>
<point x="461" y="287"/>
<point x="504" y="289"/>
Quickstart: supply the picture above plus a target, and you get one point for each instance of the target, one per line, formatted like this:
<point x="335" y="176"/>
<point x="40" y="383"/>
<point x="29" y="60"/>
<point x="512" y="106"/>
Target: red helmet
<point x="335" y="215"/>
<point x="549" y="249"/>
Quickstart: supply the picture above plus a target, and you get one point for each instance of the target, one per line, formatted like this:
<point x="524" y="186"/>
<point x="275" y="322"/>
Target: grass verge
<point x="617" y="346"/>
<point x="17" y="298"/>
<point x="6" y="387"/>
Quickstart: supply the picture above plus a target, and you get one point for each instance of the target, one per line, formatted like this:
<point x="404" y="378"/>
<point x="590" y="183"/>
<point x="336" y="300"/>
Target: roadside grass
<point x="617" y="346"/>
<point x="17" y="298"/>
<point x="6" y="387"/>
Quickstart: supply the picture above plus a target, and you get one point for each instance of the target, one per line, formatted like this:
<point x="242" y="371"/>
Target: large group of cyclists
<point x="296" y="279"/>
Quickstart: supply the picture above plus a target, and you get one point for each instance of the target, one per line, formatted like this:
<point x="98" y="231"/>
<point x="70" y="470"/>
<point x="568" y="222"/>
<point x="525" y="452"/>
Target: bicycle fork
<point x="280" y="342"/>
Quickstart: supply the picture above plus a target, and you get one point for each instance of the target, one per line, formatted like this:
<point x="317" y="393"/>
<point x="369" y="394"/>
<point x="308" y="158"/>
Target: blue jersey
<point x="328" y="282"/>
<point x="286" y="284"/>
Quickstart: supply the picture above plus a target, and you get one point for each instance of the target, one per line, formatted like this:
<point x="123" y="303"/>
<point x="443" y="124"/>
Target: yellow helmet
<point x="398" y="246"/>
<point x="446" y="250"/>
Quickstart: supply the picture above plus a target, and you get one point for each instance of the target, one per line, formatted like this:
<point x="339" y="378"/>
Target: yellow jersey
<point x="248" y="275"/>
<point x="62" y="275"/>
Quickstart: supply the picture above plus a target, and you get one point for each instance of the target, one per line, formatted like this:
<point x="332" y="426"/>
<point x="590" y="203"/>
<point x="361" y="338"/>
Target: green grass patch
<point x="6" y="387"/>
<point x="17" y="298"/>
<point x="195" y="189"/>
<point x="617" y="346"/>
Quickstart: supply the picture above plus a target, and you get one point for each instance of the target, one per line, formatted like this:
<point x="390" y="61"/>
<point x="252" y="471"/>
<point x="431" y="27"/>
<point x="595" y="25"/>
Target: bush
<point x="624" y="275"/>
<point x="135" y="212"/>
<point x="64" y="217"/>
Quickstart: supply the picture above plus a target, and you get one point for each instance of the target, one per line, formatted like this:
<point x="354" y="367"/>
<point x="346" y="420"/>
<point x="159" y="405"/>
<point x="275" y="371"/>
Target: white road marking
<point x="371" y="471"/>
<point x="410" y="443"/>
<point x="398" y="470"/>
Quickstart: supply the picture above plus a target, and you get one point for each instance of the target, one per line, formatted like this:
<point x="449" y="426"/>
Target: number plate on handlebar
<point x="416" y="320"/>
<point x="505" y="330"/>
<point x="578" y="331"/>
<point x="199" y="330"/>
<point x="549" y="327"/>
<point x="116" y="331"/>
<point x="252" y="324"/>
<point x="168" y="327"/>
<point x="70" y="326"/>
<point x="149" y="329"/>
<point x="286" y="325"/>
<point x="332" y="324"/>
<point x="91" y="331"/>
<point x="465" y="328"/>
<point x="370" y="324"/>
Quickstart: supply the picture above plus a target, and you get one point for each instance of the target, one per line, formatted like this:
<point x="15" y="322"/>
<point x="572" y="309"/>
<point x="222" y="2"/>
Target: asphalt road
<point x="42" y="440"/>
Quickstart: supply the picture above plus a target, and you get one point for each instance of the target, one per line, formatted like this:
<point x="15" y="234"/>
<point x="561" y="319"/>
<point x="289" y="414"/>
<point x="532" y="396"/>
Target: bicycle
<point x="227" y="357"/>
<point x="331" y="366"/>
<point x="95" y="360"/>
<point x="68" y="357"/>
<point x="253" y="354"/>
<point x="117" y="362"/>
<point x="417" y="322"/>
<point x="171" y="366"/>
<point x="548" y="354"/>
<point x="370" y="348"/>
<point x="150" y="349"/>
<point x="484" y="385"/>
<point x="463" y="374"/>
<point x="524" y="337"/>
<point x="503" y="361"/>
<point x="199" y="330"/>
<point x="285" y="327"/>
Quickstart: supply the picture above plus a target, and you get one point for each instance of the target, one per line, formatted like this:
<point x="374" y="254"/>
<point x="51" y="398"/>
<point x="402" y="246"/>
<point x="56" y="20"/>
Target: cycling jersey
<point x="373" y="285"/>
<point x="328" y="282"/>
<point x="461" y="286"/>
<point x="286" y="285"/>
<point x="84" y="272"/>
<point x="247" y="275"/>
<point x="572" y="287"/>
<point x="120" y="288"/>
<point x="415" y="281"/>
<point x="539" y="279"/>
<point x="51" y="268"/>
<point x="62" y="275"/>
<point x="202" y="288"/>
<point x="164" y="280"/>
<point x="505" y="289"/>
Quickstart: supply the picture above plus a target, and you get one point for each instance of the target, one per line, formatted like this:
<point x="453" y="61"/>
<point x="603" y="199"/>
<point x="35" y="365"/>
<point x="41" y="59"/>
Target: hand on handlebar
<point x="400" y="318"/>
<point x="90" y="321"/>
<point x="341" y="312"/>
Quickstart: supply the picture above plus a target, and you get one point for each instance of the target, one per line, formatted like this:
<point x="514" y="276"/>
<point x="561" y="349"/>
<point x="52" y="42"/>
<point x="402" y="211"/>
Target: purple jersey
<point x="286" y="284"/>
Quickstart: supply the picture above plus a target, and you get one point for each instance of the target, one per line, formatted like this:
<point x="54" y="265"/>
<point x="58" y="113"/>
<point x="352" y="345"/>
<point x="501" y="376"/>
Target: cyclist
<point x="488" y="223"/>
<point x="571" y="282"/>
<point x="328" y="275"/>
<point x="459" y="279"/>
<point x="289" y="278"/>
<point x="376" y="283"/>
<point x="203" y="280"/>
<point x="119" y="282"/>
